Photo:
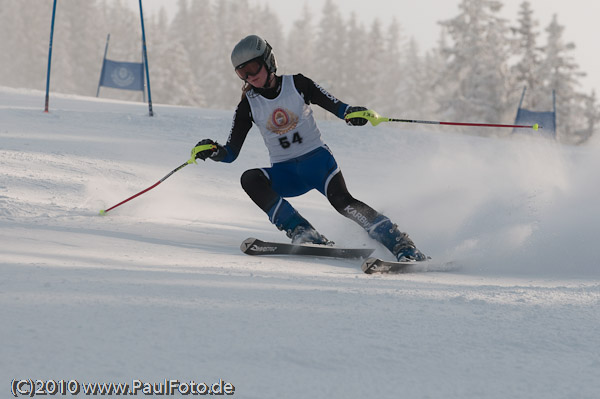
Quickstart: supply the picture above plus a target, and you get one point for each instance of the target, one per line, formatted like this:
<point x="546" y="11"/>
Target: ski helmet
<point x="253" y="47"/>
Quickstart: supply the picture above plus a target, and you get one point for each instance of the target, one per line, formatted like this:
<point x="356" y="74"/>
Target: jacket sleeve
<point x="315" y="94"/>
<point x="242" y="123"/>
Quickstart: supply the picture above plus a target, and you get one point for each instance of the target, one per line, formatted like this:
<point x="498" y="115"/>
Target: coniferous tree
<point x="373" y="77"/>
<point x="355" y="90"/>
<point x="592" y="117"/>
<point x="62" y="65"/>
<point x="393" y="75"/>
<point x="232" y="19"/>
<point x="301" y="44"/>
<point x="86" y="46"/>
<point x="173" y="81"/>
<point x="416" y="94"/>
<point x="431" y="88"/>
<point x="179" y="78"/>
<point x="24" y="46"/>
<point x="397" y="72"/>
<point x="157" y="48"/>
<point x="434" y="71"/>
<point x="330" y="49"/>
<point x="8" y="55"/>
<point x="562" y="74"/>
<point x="526" y="70"/>
<point x="183" y="24"/>
<point x="272" y="32"/>
<point x="203" y="42"/>
<point x="476" y="72"/>
<point x="189" y="58"/>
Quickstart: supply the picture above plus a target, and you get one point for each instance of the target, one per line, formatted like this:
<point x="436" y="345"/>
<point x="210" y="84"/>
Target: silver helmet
<point x="250" y="48"/>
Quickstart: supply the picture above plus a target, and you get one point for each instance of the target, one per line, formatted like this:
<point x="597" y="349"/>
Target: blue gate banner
<point x="123" y="75"/>
<point x="546" y="120"/>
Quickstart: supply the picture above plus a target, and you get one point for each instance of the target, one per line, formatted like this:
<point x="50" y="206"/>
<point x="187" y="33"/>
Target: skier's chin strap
<point x="269" y="80"/>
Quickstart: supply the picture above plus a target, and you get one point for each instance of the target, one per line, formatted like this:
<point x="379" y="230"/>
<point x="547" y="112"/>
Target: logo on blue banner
<point x="123" y="75"/>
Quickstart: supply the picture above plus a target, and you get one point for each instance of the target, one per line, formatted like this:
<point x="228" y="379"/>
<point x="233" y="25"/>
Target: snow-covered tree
<point x="416" y="93"/>
<point x="63" y="66"/>
<point x="528" y="53"/>
<point x="354" y="89"/>
<point x="300" y="47"/>
<point x="24" y="29"/>
<point x="171" y="70"/>
<point x="561" y="73"/>
<point x="394" y="75"/>
<point x="476" y="73"/>
<point x="378" y="85"/>
<point x="272" y="32"/>
<point x="592" y="117"/>
<point x="331" y="48"/>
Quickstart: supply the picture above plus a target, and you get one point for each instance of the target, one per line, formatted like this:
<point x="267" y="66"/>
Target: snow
<point x="157" y="288"/>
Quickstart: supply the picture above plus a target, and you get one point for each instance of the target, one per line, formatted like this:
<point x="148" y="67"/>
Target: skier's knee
<point x="253" y="178"/>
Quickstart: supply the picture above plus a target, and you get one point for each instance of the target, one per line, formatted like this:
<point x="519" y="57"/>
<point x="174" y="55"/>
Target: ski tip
<point x="368" y="264"/>
<point x="102" y="212"/>
<point x="247" y="243"/>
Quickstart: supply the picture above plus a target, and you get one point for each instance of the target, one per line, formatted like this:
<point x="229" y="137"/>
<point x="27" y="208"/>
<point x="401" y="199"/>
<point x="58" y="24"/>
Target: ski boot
<point x="287" y="219"/>
<point x="397" y="242"/>
<point x="306" y="234"/>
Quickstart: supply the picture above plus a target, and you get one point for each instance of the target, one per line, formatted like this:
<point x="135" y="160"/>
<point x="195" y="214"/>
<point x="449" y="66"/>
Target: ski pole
<point x="376" y="119"/>
<point x="191" y="160"/>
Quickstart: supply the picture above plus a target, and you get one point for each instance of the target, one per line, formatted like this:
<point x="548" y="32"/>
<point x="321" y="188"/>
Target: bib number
<point x="285" y="143"/>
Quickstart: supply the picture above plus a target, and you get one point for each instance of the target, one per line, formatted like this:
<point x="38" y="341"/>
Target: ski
<point x="376" y="265"/>
<point x="254" y="246"/>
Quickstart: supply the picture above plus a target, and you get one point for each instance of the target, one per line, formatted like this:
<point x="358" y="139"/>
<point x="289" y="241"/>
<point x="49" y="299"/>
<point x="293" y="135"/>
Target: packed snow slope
<point x="158" y="289"/>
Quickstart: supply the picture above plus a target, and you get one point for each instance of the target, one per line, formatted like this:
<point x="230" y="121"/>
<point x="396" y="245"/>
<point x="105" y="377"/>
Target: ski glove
<point x="218" y="153"/>
<point x="355" y="121"/>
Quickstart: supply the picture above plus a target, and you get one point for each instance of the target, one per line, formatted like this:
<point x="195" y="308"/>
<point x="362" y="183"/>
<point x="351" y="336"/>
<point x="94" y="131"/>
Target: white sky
<point x="419" y="19"/>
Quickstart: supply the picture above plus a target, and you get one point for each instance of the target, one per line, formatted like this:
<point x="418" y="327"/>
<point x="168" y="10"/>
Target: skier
<point x="300" y="160"/>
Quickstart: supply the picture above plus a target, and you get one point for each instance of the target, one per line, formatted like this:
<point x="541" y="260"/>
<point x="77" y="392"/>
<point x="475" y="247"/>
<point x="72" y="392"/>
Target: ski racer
<point x="300" y="161"/>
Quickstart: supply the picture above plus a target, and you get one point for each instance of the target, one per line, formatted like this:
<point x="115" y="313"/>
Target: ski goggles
<point x="250" y="68"/>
